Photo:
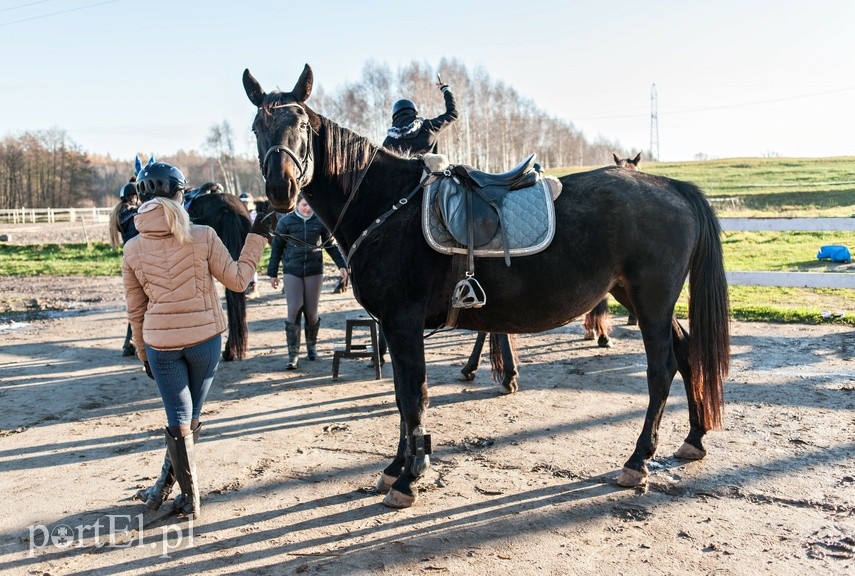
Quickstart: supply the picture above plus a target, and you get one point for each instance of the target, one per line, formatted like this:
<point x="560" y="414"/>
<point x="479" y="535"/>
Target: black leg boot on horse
<point x="182" y="452"/>
<point x="156" y="494"/>
<point x="312" y="340"/>
<point x="292" y="336"/>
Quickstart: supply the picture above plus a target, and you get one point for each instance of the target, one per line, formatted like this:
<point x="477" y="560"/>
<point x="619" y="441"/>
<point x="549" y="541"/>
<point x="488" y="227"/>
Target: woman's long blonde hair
<point x="176" y="218"/>
<point x="115" y="228"/>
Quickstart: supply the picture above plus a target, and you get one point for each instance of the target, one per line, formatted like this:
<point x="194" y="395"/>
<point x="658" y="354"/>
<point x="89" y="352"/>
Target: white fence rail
<point x="51" y="215"/>
<point x="783" y="279"/>
<point x="791" y="279"/>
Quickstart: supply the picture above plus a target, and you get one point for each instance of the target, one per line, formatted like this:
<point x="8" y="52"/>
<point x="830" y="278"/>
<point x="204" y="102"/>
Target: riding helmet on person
<point x="127" y="191"/>
<point x="160" y="179"/>
<point x="402" y="105"/>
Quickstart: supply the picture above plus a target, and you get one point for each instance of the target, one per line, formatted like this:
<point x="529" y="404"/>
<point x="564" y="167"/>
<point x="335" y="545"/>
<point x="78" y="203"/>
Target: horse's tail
<point x="497" y="355"/>
<point x="234" y="229"/>
<point x="709" y="314"/>
<point x="598" y="318"/>
<point x="114" y="226"/>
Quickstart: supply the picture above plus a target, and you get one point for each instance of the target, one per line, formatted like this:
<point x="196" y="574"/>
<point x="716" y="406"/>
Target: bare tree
<point x="220" y="143"/>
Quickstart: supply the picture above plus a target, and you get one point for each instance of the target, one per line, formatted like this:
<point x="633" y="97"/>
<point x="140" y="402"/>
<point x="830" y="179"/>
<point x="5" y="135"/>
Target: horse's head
<point x="283" y="131"/>
<point x="628" y="163"/>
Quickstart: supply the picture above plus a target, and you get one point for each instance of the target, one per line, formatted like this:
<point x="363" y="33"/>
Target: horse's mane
<point x="345" y="153"/>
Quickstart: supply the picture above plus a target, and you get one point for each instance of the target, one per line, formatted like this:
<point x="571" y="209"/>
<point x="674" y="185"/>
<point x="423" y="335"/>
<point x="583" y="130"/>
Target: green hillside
<point x="776" y="187"/>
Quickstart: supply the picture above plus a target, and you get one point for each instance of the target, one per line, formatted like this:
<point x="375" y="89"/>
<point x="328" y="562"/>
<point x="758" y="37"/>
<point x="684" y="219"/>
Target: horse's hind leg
<point x="661" y="368"/>
<point x="503" y="358"/>
<point x="601" y="321"/>
<point x="468" y="371"/>
<point x="693" y="447"/>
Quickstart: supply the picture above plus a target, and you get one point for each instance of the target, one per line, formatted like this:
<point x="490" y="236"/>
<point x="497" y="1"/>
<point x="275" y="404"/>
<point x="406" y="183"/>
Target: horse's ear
<point x="303" y="88"/>
<point x="253" y="89"/>
<point x="637" y="159"/>
<point x="617" y="160"/>
<point x="137" y="165"/>
<point x="151" y="160"/>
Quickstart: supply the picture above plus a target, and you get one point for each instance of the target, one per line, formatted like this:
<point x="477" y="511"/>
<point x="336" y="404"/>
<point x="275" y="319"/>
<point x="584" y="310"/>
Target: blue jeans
<point x="184" y="378"/>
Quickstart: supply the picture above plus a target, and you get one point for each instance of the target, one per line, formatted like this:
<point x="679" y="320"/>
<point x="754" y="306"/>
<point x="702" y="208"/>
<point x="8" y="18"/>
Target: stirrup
<point x="468" y="293"/>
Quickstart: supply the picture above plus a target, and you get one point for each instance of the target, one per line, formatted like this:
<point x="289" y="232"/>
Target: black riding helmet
<point x="404" y="104"/>
<point x="128" y="190"/>
<point x="160" y="179"/>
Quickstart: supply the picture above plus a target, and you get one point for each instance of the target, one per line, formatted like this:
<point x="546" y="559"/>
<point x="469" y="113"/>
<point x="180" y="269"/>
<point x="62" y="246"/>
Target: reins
<point x="383" y="217"/>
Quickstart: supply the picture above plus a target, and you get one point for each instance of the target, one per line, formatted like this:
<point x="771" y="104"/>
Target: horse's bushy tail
<point x="233" y="231"/>
<point x="709" y="314"/>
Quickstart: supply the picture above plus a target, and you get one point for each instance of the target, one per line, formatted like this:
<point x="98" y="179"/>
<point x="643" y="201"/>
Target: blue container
<point x="835" y="253"/>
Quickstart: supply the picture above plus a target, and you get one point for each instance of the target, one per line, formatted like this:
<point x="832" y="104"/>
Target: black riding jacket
<point x="301" y="254"/>
<point x="406" y="136"/>
<point x="126" y="223"/>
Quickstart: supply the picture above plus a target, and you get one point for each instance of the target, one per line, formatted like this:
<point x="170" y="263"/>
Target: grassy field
<point x="786" y="187"/>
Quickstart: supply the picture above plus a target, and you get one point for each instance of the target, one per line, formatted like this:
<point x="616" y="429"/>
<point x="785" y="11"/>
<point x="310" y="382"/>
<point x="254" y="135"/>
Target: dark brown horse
<point x="633" y="234"/>
<point x="228" y="216"/>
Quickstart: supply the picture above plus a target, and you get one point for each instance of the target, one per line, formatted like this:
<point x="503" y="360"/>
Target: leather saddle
<point x="470" y="201"/>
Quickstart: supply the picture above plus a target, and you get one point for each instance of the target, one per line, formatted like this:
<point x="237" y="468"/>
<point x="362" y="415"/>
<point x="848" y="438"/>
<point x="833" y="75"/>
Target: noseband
<point x="302" y="164"/>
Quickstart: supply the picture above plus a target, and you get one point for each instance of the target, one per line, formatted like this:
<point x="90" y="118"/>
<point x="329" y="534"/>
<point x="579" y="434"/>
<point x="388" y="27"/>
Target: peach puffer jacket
<point x="169" y="287"/>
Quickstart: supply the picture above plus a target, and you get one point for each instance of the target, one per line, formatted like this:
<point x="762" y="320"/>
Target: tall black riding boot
<point x="182" y="452"/>
<point x="292" y="334"/>
<point x="312" y="340"/>
<point x="128" y="348"/>
<point x="157" y="493"/>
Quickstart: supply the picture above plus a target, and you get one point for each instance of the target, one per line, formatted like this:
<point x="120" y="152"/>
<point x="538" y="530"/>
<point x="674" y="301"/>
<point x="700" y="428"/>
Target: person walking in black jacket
<point x="410" y="133"/>
<point x="297" y="244"/>
<point x="122" y="229"/>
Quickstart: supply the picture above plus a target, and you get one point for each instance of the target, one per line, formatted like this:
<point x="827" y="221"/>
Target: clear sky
<point x="733" y="77"/>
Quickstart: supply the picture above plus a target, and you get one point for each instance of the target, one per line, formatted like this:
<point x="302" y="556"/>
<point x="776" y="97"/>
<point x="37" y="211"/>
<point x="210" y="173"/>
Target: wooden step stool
<point x="352" y="350"/>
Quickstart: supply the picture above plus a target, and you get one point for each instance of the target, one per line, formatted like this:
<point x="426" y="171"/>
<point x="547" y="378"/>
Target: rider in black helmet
<point x="410" y="133"/>
<point x="160" y="179"/>
<point x="122" y="228"/>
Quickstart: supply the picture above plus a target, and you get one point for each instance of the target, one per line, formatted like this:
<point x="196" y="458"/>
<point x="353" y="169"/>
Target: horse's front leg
<point x="661" y="368"/>
<point x="406" y="348"/>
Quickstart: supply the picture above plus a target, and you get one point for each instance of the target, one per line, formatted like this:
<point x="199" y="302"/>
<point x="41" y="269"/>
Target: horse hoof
<point x="509" y="387"/>
<point x="395" y="499"/>
<point x="589" y="335"/>
<point x="689" y="452"/>
<point x="630" y="478"/>
<point x="384" y="484"/>
<point x="604" y="342"/>
<point x="467" y="376"/>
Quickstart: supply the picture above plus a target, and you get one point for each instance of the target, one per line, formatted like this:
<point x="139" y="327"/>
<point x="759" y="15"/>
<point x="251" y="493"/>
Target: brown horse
<point x="628" y="163"/>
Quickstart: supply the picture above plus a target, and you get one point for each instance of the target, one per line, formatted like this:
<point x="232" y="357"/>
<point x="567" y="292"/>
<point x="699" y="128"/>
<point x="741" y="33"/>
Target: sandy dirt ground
<point x="520" y="484"/>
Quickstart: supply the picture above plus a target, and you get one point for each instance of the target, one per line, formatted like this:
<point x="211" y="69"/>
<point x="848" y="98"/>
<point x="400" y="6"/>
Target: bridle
<point x="302" y="164"/>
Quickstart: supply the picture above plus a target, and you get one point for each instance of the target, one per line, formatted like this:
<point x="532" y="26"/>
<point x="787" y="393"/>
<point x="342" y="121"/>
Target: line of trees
<point x="496" y="129"/>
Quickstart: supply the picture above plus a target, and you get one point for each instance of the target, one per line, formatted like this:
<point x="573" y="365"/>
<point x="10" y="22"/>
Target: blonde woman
<point x="177" y="319"/>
